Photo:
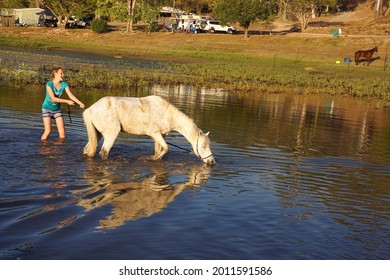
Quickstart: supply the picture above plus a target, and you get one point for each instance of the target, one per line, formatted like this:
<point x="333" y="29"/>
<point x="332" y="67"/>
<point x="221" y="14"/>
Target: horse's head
<point x="376" y="49"/>
<point x="202" y="148"/>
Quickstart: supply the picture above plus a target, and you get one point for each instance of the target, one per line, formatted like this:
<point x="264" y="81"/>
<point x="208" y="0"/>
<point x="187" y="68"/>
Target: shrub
<point x="152" y="27"/>
<point x="99" y="25"/>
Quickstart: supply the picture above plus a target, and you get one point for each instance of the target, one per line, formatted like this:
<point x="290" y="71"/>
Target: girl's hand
<point x="70" y="102"/>
<point x="82" y="106"/>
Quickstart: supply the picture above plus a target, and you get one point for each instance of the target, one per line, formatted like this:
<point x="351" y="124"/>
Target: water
<point x="297" y="177"/>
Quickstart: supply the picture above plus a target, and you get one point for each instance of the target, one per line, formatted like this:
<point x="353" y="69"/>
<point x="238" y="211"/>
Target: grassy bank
<point x="277" y="63"/>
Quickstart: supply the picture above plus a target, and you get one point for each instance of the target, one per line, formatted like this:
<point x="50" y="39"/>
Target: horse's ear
<point x="207" y="133"/>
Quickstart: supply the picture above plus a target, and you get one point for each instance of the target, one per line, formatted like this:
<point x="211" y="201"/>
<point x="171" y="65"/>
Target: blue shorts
<point x="51" y="114"/>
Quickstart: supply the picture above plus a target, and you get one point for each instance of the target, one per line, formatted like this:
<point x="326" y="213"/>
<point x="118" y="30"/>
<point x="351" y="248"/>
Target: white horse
<point x="152" y="116"/>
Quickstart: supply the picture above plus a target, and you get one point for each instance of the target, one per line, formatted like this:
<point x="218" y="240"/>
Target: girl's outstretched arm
<point x="74" y="98"/>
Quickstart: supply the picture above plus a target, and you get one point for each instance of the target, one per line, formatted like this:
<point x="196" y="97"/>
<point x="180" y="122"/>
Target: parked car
<point x="74" y="22"/>
<point x="46" y="18"/>
<point x="48" y="21"/>
<point x="213" y="26"/>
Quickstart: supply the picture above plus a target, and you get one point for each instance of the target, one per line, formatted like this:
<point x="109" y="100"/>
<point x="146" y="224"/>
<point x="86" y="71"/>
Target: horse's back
<point x="135" y="115"/>
<point x="130" y="101"/>
<point x="366" y="53"/>
<point x="118" y="103"/>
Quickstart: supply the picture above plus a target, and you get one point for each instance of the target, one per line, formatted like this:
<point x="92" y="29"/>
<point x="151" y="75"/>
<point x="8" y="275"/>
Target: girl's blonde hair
<point x="55" y="70"/>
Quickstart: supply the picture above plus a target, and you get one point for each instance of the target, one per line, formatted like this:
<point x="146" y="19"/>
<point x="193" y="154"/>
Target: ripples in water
<point x="285" y="187"/>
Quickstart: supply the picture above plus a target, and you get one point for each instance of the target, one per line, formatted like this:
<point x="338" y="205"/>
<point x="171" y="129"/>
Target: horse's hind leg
<point x="356" y="59"/>
<point x="90" y="148"/>
<point x="109" y="139"/>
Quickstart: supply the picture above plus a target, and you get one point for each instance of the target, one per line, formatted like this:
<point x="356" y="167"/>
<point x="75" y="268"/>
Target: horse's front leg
<point x="157" y="147"/>
<point x="160" y="147"/>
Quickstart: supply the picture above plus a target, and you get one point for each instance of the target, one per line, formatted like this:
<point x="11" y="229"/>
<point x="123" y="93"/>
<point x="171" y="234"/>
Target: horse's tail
<point x="357" y="56"/>
<point x="90" y="148"/>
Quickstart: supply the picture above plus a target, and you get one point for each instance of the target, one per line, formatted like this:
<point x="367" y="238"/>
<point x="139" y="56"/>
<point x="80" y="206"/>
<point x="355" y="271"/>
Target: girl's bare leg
<point x="60" y="126"/>
<point x="47" y="127"/>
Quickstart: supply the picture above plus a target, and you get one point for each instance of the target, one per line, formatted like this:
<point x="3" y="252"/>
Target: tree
<point x="102" y="8"/>
<point x="245" y="12"/>
<point x="131" y="6"/>
<point x="142" y="9"/>
<point x="130" y="11"/>
<point x="125" y="10"/>
<point x="11" y="4"/>
<point x="64" y="9"/>
<point x="305" y="10"/>
<point x="192" y="6"/>
<point x="149" y="12"/>
<point x="302" y="10"/>
<point x="381" y="6"/>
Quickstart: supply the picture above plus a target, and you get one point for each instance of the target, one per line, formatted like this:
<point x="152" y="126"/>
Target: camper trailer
<point x="188" y="23"/>
<point x="28" y="16"/>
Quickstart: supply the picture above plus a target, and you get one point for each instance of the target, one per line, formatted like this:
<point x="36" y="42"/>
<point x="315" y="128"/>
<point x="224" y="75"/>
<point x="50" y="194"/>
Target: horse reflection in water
<point x="139" y="199"/>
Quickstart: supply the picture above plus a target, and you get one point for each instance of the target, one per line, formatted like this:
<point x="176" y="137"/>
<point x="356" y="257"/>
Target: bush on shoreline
<point x="99" y="25"/>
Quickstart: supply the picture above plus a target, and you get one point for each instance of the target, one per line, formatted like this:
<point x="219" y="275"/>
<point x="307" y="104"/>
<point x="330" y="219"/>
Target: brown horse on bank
<point x="367" y="54"/>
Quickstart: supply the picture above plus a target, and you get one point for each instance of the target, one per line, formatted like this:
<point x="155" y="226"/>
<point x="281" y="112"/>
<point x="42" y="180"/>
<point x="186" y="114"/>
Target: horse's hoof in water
<point x="103" y="155"/>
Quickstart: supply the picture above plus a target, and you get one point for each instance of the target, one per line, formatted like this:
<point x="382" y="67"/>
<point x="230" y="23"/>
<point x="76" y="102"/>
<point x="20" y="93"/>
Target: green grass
<point x="215" y="66"/>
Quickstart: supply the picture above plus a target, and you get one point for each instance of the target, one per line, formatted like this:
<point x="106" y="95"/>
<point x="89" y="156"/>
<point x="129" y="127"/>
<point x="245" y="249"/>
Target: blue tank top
<point x="47" y="103"/>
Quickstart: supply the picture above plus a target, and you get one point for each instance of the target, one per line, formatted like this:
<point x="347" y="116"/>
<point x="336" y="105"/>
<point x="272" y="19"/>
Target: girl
<point x="51" y="105"/>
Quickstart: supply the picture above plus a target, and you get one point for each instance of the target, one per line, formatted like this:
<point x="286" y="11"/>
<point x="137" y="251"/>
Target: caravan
<point x="196" y="24"/>
<point x="188" y="23"/>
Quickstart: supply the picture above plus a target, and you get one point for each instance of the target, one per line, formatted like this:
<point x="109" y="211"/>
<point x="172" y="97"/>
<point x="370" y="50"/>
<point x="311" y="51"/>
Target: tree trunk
<point x="284" y="11"/>
<point x="130" y="12"/>
<point x="246" y="33"/>
<point x="62" y="23"/>
<point x="378" y="8"/>
<point x="303" y="18"/>
<point x="130" y="26"/>
<point x="313" y="11"/>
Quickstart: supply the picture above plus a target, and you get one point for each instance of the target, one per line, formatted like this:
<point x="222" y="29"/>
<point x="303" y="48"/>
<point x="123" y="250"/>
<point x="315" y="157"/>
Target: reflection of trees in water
<point x="140" y="197"/>
<point x="322" y="174"/>
<point x="302" y="123"/>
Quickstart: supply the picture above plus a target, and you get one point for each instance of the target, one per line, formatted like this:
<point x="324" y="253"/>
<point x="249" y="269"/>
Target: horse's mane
<point x="183" y="123"/>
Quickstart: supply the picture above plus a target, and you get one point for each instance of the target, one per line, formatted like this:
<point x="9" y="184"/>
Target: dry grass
<point x="359" y="30"/>
<point x="279" y="60"/>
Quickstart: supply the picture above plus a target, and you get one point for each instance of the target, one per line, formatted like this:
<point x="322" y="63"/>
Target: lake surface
<point x="297" y="177"/>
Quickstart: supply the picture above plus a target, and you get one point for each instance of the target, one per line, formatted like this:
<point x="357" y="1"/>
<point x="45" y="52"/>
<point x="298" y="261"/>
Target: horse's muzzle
<point x="209" y="160"/>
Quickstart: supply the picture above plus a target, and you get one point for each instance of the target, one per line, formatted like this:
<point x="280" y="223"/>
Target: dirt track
<point x="357" y="24"/>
